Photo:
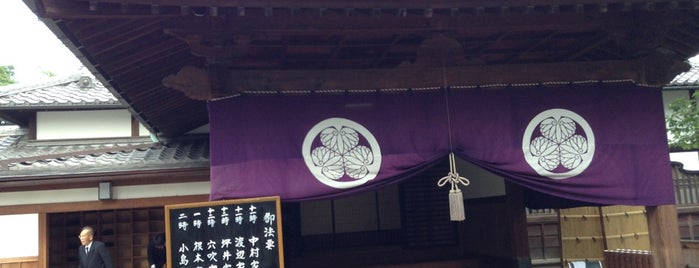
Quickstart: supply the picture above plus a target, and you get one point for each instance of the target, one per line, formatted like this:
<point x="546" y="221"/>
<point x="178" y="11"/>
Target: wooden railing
<point x="20" y="262"/>
<point x="690" y="253"/>
<point x="541" y="212"/>
<point x="686" y="185"/>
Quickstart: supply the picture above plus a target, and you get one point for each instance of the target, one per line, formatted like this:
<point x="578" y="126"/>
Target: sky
<point x="30" y="46"/>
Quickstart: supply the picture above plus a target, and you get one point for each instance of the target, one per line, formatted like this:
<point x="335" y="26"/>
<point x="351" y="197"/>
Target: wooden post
<point x="664" y="236"/>
<point x="518" y="217"/>
<point x="43" y="241"/>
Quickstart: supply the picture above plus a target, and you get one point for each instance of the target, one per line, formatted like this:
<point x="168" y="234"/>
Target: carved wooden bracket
<point x="192" y="81"/>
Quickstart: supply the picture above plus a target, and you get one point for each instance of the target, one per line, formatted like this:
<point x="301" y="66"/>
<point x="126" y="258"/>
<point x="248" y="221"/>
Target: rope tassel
<point x="456" y="205"/>
<point x="456" y="199"/>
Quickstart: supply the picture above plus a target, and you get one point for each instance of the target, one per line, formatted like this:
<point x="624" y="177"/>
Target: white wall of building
<point x="90" y="193"/>
<point x="142" y="130"/>
<point x="83" y="124"/>
<point x="19" y="235"/>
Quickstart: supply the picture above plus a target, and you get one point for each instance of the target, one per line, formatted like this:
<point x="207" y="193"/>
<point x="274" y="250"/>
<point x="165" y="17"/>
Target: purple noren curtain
<point x="592" y="143"/>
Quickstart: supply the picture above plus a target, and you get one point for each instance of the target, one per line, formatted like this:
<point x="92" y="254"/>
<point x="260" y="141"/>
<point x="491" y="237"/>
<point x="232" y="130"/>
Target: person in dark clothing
<point x="93" y="253"/>
<point x="156" y="251"/>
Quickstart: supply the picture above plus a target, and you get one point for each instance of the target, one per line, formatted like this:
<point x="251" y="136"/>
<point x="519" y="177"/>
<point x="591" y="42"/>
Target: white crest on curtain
<point x="341" y="153"/>
<point x="558" y="144"/>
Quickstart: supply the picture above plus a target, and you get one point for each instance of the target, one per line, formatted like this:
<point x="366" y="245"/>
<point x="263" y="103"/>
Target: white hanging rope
<point x="456" y="198"/>
<point x="453" y="177"/>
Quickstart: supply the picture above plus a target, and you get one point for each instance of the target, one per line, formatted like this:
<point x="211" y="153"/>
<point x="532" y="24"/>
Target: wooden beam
<point x="421" y="77"/>
<point x="178" y="175"/>
<point x="664" y="236"/>
<point x="501" y="5"/>
<point x="102" y="9"/>
<point x="102" y="205"/>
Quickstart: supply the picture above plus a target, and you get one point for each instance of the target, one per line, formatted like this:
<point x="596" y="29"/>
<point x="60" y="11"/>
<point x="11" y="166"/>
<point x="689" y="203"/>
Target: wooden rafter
<point x="135" y="8"/>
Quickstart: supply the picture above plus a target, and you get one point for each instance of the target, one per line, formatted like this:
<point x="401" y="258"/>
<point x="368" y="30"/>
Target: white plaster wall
<point x="20" y="235"/>
<point x="83" y="124"/>
<point x="142" y="131"/>
<point x="90" y="194"/>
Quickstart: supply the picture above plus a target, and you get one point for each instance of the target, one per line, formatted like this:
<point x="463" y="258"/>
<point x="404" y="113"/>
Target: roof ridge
<point x="78" y="90"/>
<point x="24" y="87"/>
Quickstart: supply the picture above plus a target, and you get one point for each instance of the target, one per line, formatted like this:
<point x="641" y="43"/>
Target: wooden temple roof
<point x="164" y="59"/>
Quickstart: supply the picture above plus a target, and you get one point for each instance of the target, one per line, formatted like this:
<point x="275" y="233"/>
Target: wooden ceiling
<point x="165" y="58"/>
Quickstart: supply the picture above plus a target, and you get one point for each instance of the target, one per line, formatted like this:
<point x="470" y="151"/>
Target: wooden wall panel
<point x="587" y="231"/>
<point x="626" y="227"/>
<point x="582" y="235"/>
<point x="20" y="262"/>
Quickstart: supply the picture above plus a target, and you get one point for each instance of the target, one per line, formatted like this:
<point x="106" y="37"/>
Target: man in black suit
<point x="156" y="251"/>
<point x="93" y="254"/>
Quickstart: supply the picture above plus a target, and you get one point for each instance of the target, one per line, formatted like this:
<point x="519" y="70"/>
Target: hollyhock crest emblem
<point x="558" y="144"/>
<point x="341" y="153"/>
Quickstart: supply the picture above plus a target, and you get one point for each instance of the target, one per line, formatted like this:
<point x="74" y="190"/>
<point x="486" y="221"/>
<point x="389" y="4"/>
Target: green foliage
<point x="6" y="74"/>
<point x="683" y="123"/>
<point x="48" y="73"/>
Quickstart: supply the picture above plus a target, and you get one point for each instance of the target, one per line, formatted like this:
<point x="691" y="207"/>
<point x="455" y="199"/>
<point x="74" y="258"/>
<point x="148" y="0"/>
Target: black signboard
<point x="240" y="233"/>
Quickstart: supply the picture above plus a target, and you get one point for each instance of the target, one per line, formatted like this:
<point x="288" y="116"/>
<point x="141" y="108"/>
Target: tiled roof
<point x="75" y="91"/>
<point x="19" y="158"/>
<point x="7" y="141"/>
<point x="688" y="78"/>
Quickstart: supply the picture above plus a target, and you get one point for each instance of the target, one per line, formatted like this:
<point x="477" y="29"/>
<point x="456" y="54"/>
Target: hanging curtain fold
<point x="595" y="143"/>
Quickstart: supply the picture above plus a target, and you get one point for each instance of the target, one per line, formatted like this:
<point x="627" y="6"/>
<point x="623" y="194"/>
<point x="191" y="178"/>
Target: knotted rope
<point x="453" y="177"/>
<point x="456" y="199"/>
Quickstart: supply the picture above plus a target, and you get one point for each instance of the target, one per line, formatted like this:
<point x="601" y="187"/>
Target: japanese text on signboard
<point x="238" y="235"/>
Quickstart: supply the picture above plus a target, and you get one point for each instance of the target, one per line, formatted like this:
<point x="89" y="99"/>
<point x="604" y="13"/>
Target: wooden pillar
<point x="43" y="240"/>
<point x="135" y="127"/>
<point x="495" y="230"/>
<point x="518" y="216"/>
<point x="664" y="236"/>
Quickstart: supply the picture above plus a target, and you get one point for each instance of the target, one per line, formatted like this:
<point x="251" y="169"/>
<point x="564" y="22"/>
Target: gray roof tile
<point x="688" y="78"/>
<point x="26" y="159"/>
<point x="75" y="91"/>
